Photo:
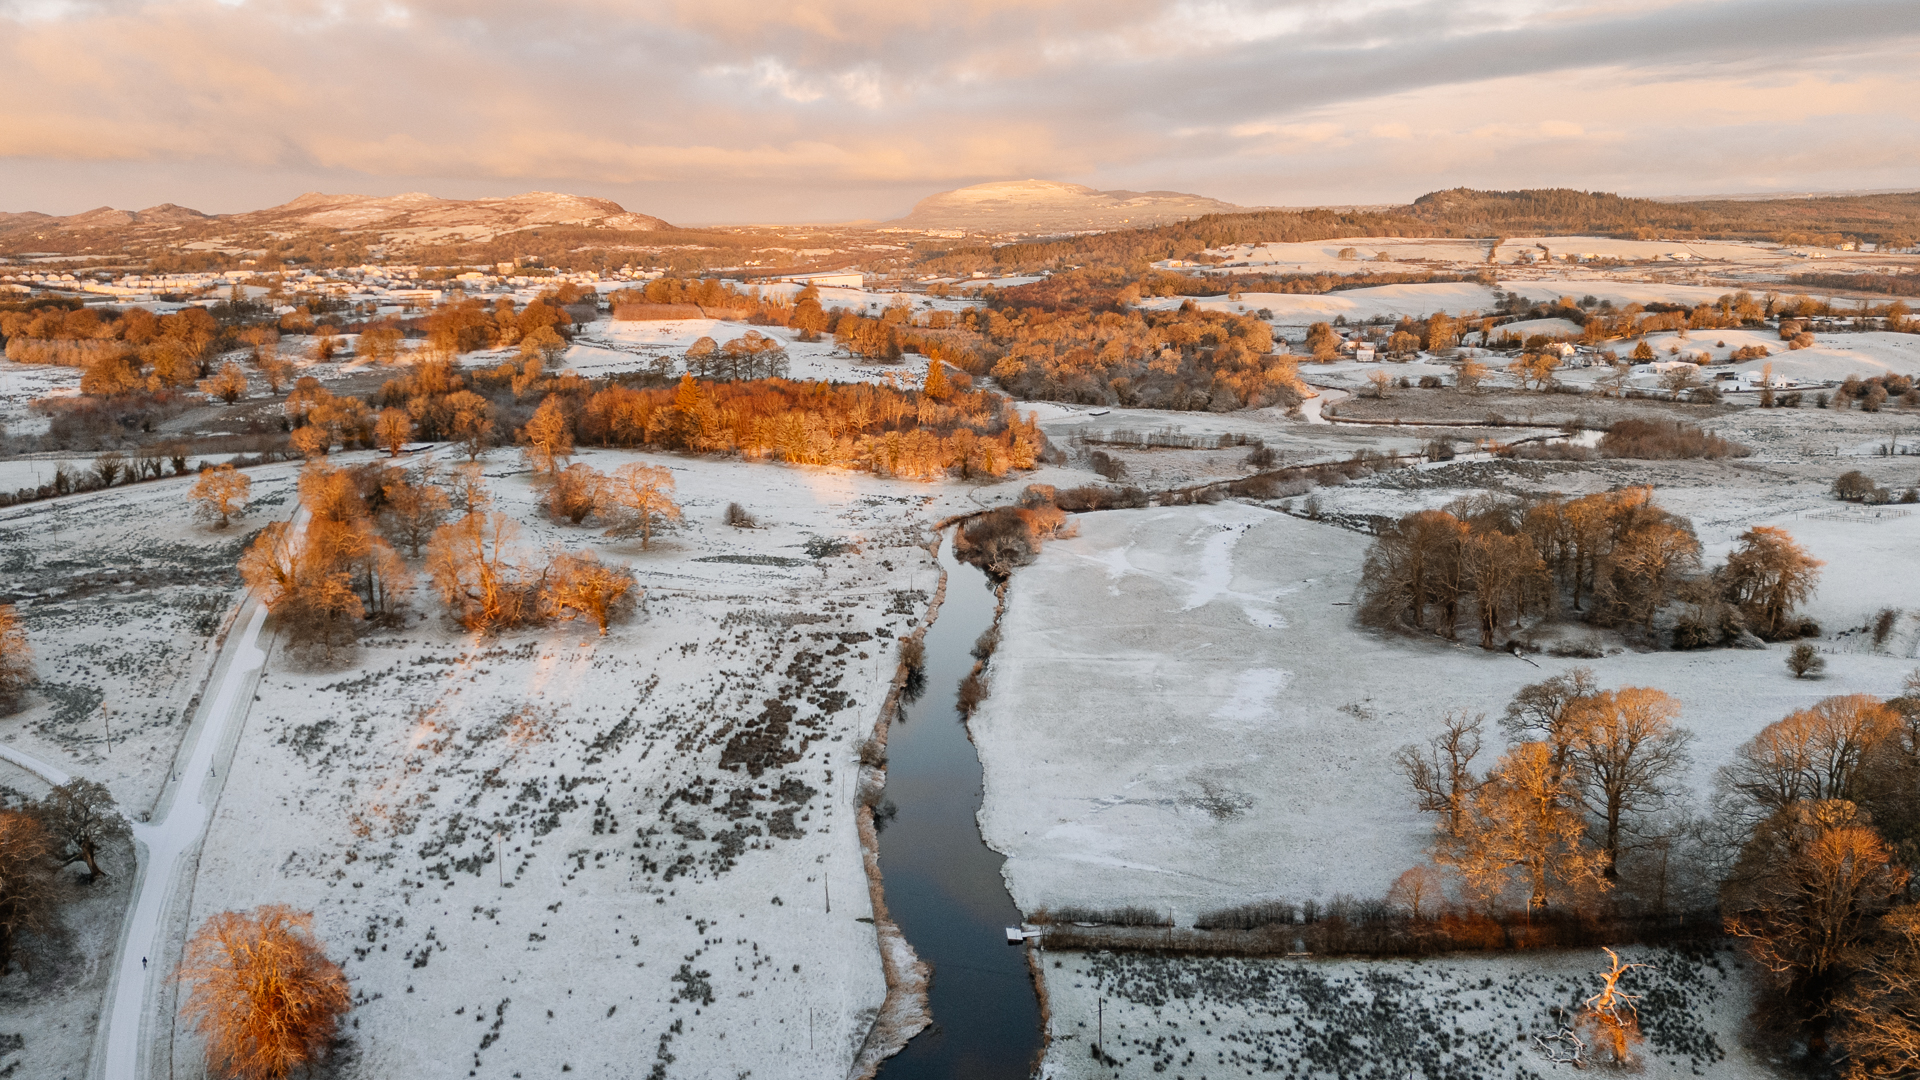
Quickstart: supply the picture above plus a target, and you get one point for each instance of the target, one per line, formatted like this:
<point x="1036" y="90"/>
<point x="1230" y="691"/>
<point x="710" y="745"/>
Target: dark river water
<point x="942" y="883"/>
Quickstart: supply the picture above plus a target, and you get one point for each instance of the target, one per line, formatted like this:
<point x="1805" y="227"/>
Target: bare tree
<point x="1522" y="827"/>
<point x="1879" y="1030"/>
<point x="584" y="586"/>
<point x="1442" y="776"/>
<point x="1805" y="888"/>
<point x="392" y="429"/>
<point x="1805" y="661"/>
<point x="221" y="492"/>
<point x="81" y="815"/>
<point x="574" y="492"/>
<point x="1504" y="569"/>
<point x="470" y="422"/>
<point x="1767" y="575"/>
<point x="1416" y="563"/>
<point x="479" y="571"/>
<point x="411" y="510"/>
<point x="1812" y="755"/>
<point x="16" y="661"/>
<point x="265" y="996"/>
<point x="1627" y="758"/>
<point x="636" y="498"/>
<point x="1542" y="711"/>
<point x="26" y="880"/>
<point x="548" y="436"/>
<point x="229" y="384"/>
<point x="1419" y="890"/>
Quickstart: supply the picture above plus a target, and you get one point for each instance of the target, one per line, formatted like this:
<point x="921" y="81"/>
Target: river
<point x="942" y="883"/>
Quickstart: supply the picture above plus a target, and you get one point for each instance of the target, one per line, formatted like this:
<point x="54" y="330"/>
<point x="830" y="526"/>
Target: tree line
<point x="1803" y="854"/>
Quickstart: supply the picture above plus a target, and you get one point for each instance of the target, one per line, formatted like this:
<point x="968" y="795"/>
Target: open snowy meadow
<point x="634" y="855"/>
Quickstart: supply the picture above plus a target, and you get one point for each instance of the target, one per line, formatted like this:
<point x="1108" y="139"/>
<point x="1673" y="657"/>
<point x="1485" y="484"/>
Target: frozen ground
<point x="23" y="384"/>
<point x="121" y="593"/>
<point x="1184" y="715"/>
<point x="1439" y="1019"/>
<point x="673" y="833"/>
<point x="1323" y="256"/>
<point x="1358" y="305"/>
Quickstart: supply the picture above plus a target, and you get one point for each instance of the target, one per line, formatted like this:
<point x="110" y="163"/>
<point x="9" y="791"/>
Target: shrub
<point x="973" y="691"/>
<point x="1656" y="440"/>
<point x="1805" y="661"/>
<point x="738" y="517"/>
<point x="1099" y="497"/>
<point x="1854" y="486"/>
<point x="1883" y="625"/>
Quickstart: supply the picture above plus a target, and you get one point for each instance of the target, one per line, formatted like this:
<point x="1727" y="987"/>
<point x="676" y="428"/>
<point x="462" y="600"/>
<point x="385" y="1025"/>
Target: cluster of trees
<point x="136" y="351"/>
<point x="1459" y="212"/>
<point x="751" y="356"/>
<point x="1180" y="359"/>
<point x="344" y="569"/>
<point x="1873" y="393"/>
<point x="925" y="433"/>
<point x="464" y="325"/>
<point x="1856" y="486"/>
<point x="1805" y="852"/>
<point x="1617" y="559"/>
<point x="40" y="838"/>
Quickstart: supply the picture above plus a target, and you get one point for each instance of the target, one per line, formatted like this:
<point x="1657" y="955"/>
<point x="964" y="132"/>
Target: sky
<point x="750" y="111"/>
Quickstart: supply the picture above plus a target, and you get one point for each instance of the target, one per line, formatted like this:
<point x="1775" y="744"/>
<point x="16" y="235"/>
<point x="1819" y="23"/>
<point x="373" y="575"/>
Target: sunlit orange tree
<point x="265" y="996"/>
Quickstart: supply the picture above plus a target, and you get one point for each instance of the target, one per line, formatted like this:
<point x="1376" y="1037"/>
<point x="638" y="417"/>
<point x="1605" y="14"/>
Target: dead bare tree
<point x="1610" y="1017"/>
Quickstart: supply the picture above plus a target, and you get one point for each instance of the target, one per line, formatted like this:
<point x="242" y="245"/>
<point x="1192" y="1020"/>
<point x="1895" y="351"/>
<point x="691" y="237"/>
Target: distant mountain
<point x="394" y="219"/>
<point x="473" y="218"/>
<point x="1047" y="206"/>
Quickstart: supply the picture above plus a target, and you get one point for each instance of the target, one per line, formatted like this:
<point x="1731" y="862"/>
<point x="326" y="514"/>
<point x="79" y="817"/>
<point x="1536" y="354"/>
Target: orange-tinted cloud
<point x="864" y="105"/>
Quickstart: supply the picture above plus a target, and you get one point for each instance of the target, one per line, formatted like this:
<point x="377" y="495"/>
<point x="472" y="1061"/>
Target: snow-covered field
<point x="23" y="384"/>
<point x="1184" y="715"/>
<point x="609" y="347"/>
<point x="1438" y="1019"/>
<point x="122" y="593"/>
<point x="674" y="802"/>
<point x="1357" y="305"/>
<point x="1324" y="255"/>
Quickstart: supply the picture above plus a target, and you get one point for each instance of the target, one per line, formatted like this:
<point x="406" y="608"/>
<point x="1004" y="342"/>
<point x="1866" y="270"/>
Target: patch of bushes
<point x="1666" y="440"/>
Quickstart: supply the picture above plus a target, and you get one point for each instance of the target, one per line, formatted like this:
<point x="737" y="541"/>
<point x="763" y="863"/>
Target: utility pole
<point x="828" y="885"/>
<point x="500" y="845"/>
<point x="106" y="727"/>
<point x="1100" y="1029"/>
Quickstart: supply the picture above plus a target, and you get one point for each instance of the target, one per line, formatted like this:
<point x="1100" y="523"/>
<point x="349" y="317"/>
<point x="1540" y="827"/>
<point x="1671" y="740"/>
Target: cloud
<point x="717" y="109"/>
